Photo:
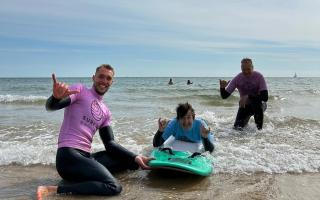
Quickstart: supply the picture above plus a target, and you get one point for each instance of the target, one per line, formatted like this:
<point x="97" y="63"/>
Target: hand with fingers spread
<point x="223" y="83"/>
<point x="143" y="161"/>
<point x="61" y="90"/>
<point x="162" y="124"/>
<point x="205" y="131"/>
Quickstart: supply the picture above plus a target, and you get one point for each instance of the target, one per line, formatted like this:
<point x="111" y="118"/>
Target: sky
<point x="167" y="38"/>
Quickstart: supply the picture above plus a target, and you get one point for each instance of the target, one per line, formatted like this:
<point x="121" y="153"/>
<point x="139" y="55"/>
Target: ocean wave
<point x="314" y="91"/>
<point x="161" y="90"/>
<point x="296" y="92"/>
<point x="252" y="156"/>
<point x="286" y="144"/>
<point x="294" y="122"/>
<point x="42" y="150"/>
<point x="258" y="155"/>
<point x="200" y="97"/>
<point x="32" y="154"/>
<point x="20" y="99"/>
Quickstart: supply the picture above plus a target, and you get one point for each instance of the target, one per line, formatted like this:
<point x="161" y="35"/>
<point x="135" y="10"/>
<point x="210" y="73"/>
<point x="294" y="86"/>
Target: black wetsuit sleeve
<point x="56" y="104"/>
<point x="157" y="139"/>
<point x="207" y="144"/>
<point x="263" y="96"/>
<point x="114" y="149"/>
<point x="224" y="94"/>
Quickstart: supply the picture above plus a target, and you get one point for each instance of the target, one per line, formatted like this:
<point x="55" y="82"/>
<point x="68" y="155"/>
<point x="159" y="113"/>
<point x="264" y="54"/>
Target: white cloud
<point x="276" y="30"/>
<point x="148" y="22"/>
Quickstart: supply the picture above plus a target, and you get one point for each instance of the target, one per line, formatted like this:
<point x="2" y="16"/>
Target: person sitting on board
<point x="189" y="82"/>
<point x="170" y="82"/>
<point x="84" y="114"/>
<point x="184" y="127"/>
<point x="253" y="94"/>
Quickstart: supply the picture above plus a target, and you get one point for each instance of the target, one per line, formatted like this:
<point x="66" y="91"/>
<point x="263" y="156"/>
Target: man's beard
<point x="98" y="92"/>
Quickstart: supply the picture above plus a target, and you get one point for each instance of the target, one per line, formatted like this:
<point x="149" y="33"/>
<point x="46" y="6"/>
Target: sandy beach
<point x="20" y="182"/>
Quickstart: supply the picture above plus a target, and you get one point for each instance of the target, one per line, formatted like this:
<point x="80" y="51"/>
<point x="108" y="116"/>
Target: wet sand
<point x="20" y="182"/>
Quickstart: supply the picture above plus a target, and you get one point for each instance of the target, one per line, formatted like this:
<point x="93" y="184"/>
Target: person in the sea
<point x="185" y="127"/>
<point x="84" y="114"/>
<point x="253" y="94"/>
<point x="170" y="82"/>
<point x="189" y="82"/>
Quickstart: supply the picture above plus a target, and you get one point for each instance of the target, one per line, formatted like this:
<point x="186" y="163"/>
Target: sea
<point x="288" y="143"/>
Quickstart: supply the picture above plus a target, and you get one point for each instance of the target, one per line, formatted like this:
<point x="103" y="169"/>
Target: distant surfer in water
<point x="253" y="94"/>
<point x="189" y="82"/>
<point x="170" y="82"/>
<point x="184" y="127"/>
<point x="84" y="114"/>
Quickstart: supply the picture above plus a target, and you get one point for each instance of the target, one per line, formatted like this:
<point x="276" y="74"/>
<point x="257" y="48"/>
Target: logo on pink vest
<point x="96" y="110"/>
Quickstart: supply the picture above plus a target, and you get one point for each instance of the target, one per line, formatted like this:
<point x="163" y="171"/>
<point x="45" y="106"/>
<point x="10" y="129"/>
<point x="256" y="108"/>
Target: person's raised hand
<point x="162" y="123"/>
<point x="61" y="90"/>
<point x="223" y="83"/>
<point x="205" y="131"/>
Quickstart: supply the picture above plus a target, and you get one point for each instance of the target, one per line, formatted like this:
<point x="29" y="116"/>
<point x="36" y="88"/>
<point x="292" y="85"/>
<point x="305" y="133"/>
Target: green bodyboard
<point x="181" y="161"/>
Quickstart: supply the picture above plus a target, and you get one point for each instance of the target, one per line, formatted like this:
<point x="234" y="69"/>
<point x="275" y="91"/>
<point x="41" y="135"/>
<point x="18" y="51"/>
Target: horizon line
<point x="156" y="77"/>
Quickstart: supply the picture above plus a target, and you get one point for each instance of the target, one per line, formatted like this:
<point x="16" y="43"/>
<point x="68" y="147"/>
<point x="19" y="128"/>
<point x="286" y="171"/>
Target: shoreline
<point x="20" y="182"/>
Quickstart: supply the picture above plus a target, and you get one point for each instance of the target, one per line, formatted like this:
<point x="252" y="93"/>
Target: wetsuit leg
<point x="90" y="177"/>
<point x="258" y="114"/>
<point x="157" y="139"/>
<point x="243" y="117"/>
<point x="112" y="163"/>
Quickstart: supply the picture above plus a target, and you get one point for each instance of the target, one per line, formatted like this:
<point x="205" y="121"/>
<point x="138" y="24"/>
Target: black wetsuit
<point x="90" y="174"/>
<point x="158" y="141"/>
<point x="255" y="108"/>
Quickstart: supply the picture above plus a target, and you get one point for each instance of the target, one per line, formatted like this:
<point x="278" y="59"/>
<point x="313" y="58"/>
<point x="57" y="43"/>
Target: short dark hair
<point x="106" y="66"/>
<point x="246" y="60"/>
<point x="183" y="109"/>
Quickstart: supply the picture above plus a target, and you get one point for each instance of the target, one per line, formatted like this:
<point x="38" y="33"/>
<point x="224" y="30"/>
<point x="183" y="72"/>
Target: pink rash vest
<point x="82" y="118"/>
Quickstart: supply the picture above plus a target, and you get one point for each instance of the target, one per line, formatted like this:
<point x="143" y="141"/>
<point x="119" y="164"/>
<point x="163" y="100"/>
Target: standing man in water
<point x="84" y="114"/>
<point x="253" y="94"/>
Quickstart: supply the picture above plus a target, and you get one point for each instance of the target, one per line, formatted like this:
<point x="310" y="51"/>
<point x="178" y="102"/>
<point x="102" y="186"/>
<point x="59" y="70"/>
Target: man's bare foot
<point x="44" y="191"/>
